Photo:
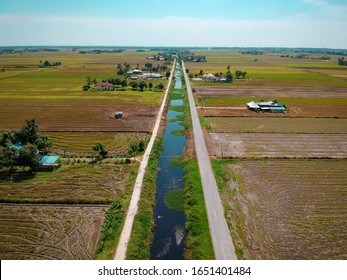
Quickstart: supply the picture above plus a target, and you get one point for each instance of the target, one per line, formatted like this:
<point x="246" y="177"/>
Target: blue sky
<point x="255" y="23"/>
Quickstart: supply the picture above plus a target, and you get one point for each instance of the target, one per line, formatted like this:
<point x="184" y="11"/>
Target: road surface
<point x="222" y="243"/>
<point x="133" y="206"/>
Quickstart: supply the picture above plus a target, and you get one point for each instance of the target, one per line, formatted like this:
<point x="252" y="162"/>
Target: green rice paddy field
<point x="270" y="69"/>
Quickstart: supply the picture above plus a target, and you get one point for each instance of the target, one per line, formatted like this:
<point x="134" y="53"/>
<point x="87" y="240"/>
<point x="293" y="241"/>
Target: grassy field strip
<point x="278" y="125"/>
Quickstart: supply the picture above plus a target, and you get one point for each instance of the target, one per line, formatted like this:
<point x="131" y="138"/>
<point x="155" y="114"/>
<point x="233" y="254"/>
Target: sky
<point x="186" y="23"/>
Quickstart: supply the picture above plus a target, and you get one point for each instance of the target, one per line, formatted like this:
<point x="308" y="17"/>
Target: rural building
<point x="104" y="86"/>
<point x="146" y="76"/>
<point x="49" y="161"/>
<point x="209" y="77"/>
<point x="270" y="106"/>
<point x="135" y="71"/>
<point x="118" y="115"/>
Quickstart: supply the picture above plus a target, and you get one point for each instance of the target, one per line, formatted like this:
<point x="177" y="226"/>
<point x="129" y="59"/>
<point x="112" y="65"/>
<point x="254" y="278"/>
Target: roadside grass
<point x="199" y="242"/>
<point x="142" y="231"/>
<point x="222" y="179"/>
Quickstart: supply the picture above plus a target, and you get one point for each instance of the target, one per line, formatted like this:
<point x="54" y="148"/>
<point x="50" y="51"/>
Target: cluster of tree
<point x="136" y="148"/>
<point x="100" y="51"/>
<point x="142" y="85"/>
<point x="158" y="68"/>
<point x="252" y="52"/>
<point x="228" y="76"/>
<point x="341" y="61"/>
<point x="117" y="82"/>
<point x="28" y="154"/>
<point x="190" y="56"/>
<point x="168" y="55"/>
<point x="123" y="69"/>
<point x="100" y="148"/>
<point x="49" y="64"/>
<point x="240" y="74"/>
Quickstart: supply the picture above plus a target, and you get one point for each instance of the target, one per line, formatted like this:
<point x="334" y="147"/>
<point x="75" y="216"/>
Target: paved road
<point x="133" y="206"/>
<point x="222" y="243"/>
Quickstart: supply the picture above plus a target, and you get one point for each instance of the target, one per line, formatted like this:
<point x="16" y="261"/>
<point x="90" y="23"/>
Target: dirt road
<point x="221" y="239"/>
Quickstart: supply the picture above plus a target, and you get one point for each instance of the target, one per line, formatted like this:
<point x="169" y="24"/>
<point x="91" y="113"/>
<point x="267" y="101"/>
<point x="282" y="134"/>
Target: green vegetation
<point x="174" y="199"/>
<point x="178" y="132"/>
<point x="177" y="161"/>
<point x="29" y="143"/>
<point x="176" y="108"/>
<point x="199" y="242"/>
<point x="141" y="235"/>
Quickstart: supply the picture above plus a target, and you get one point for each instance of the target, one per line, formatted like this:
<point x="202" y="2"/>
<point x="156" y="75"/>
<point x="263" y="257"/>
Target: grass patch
<point x="171" y="120"/>
<point x="174" y="199"/>
<point x="199" y="242"/>
<point x="177" y="161"/>
<point x="178" y="132"/>
<point x="177" y="108"/>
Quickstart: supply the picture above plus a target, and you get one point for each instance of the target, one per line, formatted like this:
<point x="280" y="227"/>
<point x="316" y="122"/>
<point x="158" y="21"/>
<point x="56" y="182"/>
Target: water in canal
<point x="169" y="238"/>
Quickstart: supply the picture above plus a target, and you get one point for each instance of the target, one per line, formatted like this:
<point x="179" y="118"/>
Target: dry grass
<point x="49" y="232"/>
<point x="278" y="145"/>
<point x="288" y="209"/>
<point x="79" y="183"/>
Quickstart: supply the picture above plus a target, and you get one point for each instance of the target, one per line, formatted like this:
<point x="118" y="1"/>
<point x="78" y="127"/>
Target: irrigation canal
<point x="169" y="240"/>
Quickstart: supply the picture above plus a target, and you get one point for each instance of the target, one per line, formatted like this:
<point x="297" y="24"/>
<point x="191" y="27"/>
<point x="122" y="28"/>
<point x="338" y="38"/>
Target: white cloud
<point x="171" y="31"/>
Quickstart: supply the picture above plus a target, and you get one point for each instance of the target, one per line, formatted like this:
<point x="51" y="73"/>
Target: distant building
<point x="270" y="106"/>
<point x="49" y="161"/>
<point x="118" y="115"/>
<point x="209" y="77"/>
<point x="104" y="86"/>
<point x="135" y="71"/>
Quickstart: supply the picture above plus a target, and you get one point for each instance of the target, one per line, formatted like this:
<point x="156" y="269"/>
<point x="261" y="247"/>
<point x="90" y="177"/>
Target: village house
<point x="209" y="77"/>
<point x="104" y="86"/>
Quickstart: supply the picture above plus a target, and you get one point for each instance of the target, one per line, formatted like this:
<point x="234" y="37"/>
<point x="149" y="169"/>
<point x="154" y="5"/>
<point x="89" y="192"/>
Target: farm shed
<point x="270" y="106"/>
<point x="252" y="106"/>
<point x="118" y="115"/>
<point x="52" y="161"/>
